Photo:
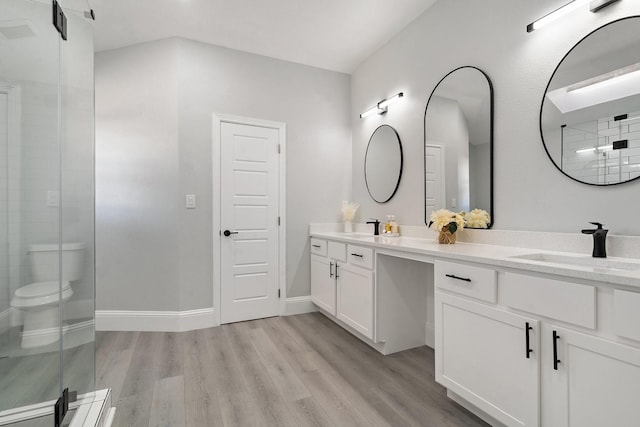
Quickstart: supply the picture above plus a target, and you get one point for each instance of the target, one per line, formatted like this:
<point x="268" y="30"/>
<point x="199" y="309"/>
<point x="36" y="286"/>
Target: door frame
<point x="10" y="316"/>
<point x="218" y="119"/>
<point x="443" y="186"/>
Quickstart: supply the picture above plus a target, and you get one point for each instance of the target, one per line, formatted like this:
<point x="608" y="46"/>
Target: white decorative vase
<point x="348" y="227"/>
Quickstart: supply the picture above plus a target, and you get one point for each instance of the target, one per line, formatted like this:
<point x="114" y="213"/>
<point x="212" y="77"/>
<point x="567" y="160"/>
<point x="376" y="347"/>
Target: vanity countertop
<point x="498" y="256"/>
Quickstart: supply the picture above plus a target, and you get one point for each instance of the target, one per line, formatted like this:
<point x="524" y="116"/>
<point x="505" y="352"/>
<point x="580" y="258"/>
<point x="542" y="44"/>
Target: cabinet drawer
<point x="476" y="282"/>
<point x="318" y="246"/>
<point x="569" y="302"/>
<point x="337" y="251"/>
<point x="626" y="314"/>
<point x="360" y="256"/>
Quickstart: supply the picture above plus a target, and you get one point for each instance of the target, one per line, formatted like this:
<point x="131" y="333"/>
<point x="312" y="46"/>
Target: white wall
<point x="154" y="105"/>
<point x="530" y="193"/>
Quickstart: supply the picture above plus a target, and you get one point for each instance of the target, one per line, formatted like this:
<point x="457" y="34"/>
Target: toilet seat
<point x="41" y="293"/>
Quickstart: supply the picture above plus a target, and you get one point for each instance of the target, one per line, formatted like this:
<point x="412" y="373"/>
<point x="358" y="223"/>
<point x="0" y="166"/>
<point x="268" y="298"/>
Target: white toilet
<point x="39" y="301"/>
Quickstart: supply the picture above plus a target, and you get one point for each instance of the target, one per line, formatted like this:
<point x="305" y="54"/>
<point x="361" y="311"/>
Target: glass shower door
<point x="29" y="209"/>
<point x="77" y="202"/>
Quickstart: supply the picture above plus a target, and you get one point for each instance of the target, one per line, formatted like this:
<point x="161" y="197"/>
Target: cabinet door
<point x="355" y="298"/>
<point x="596" y="383"/>
<point x="323" y="283"/>
<point x="481" y="355"/>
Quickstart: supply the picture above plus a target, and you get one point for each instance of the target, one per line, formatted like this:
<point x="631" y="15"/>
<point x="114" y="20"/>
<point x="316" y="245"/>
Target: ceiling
<point x="331" y="34"/>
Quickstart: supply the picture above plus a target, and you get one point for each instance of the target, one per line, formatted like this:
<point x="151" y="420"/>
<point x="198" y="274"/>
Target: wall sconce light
<point x="381" y="107"/>
<point x="595" y="6"/>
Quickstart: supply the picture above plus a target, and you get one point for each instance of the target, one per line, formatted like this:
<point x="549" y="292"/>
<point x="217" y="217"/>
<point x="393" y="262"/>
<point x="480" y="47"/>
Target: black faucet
<point x="599" y="240"/>
<point x="376" y="226"/>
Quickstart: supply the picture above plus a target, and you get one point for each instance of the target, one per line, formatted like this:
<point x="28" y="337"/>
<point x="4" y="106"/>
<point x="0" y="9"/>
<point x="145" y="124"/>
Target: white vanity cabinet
<point x="487" y="356"/>
<point x="342" y="283"/>
<point x="591" y="382"/>
<point x="355" y="298"/>
<point x="323" y="283"/>
<point x="540" y="350"/>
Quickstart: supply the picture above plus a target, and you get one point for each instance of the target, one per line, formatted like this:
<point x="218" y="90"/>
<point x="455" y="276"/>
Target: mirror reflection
<point x="459" y="143"/>
<point x="383" y="164"/>
<point x="590" y="114"/>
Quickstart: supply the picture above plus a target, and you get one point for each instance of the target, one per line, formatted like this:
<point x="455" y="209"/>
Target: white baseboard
<point x="75" y="309"/>
<point x="178" y="321"/>
<point x="299" y="305"/>
<point x="154" y="321"/>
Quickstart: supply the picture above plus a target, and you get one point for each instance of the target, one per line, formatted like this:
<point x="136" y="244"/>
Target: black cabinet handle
<point x="228" y="233"/>
<point x="358" y="255"/>
<point x="330" y="269"/>
<point x="527" y="328"/>
<point x="453" y="276"/>
<point x="556" y="361"/>
<point x="337" y="270"/>
<point x="316" y="246"/>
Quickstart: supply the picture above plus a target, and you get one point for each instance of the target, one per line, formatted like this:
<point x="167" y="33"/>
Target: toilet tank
<point x="44" y="261"/>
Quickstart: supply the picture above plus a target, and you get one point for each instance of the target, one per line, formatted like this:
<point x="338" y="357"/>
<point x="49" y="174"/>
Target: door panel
<point x="355" y="298"/>
<point x="249" y="209"/>
<point x="323" y="284"/>
<point x="481" y="356"/>
<point x="597" y="382"/>
<point x="434" y="178"/>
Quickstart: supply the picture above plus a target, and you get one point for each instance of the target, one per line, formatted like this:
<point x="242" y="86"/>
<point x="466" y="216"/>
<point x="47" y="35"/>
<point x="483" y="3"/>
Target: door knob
<point x="228" y="233"/>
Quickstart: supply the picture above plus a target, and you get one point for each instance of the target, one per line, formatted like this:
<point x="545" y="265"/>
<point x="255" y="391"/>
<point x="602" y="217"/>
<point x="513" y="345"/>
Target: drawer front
<point x="360" y="256"/>
<point x="318" y="246"/>
<point x="475" y="282"/>
<point x="626" y="314"/>
<point x="569" y="302"/>
<point x="337" y="251"/>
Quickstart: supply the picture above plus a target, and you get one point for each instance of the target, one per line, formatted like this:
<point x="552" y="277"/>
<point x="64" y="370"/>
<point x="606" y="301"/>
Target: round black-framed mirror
<point x="590" y="111"/>
<point x="383" y="164"/>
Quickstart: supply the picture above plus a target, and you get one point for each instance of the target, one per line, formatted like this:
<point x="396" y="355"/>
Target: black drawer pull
<point x="337" y="277"/>
<point x="358" y="255"/>
<point x="556" y="361"/>
<point x="527" y="328"/>
<point x="453" y="276"/>
<point x="316" y="246"/>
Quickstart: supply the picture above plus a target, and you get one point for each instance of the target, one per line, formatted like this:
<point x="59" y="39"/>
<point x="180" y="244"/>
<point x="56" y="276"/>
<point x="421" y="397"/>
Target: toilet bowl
<point x="39" y="302"/>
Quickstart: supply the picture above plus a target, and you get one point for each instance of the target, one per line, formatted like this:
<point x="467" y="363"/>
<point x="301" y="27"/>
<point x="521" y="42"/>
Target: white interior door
<point x="434" y="178"/>
<point x="249" y="203"/>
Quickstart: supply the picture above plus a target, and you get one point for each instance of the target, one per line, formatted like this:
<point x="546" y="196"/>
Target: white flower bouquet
<point x="349" y="210"/>
<point x="477" y="218"/>
<point x="446" y="223"/>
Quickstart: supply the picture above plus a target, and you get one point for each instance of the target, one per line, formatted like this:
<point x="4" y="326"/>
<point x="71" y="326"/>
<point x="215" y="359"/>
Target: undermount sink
<point x="582" y="261"/>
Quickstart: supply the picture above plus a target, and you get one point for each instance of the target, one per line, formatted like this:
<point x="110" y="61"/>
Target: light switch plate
<point x="191" y="201"/>
<point x="53" y="199"/>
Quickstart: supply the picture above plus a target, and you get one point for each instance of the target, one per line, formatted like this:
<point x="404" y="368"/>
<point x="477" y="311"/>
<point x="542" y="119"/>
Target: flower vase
<point x="348" y="227"/>
<point x="446" y="238"/>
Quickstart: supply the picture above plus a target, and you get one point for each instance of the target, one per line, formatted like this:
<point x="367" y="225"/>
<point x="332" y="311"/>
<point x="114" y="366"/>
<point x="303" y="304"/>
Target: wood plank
<point x="170" y="347"/>
<point x="112" y="371"/>
<point x="133" y="411"/>
<point x="266" y="396"/>
<point x="203" y="412"/>
<point x="309" y="413"/>
<point x="167" y="409"/>
<point x="291" y="346"/>
<point x="283" y="376"/>
<point x="143" y="368"/>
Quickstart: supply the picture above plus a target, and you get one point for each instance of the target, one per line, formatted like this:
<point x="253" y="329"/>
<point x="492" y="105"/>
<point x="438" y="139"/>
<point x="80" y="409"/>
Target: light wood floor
<point x="284" y="371"/>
